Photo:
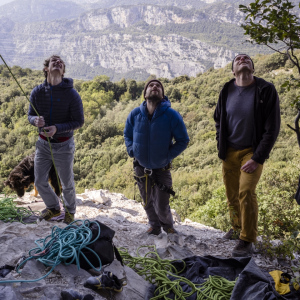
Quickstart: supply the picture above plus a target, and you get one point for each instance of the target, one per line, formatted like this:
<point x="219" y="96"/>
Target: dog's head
<point x="18" y="184"/>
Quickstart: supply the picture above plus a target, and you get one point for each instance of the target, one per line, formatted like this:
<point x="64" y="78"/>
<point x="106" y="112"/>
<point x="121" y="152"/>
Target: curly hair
<point x="47" y="62"/>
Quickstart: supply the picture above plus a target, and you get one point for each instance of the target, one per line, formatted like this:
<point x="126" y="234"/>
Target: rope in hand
<point x="158" y="271"/>
<point x="9" y="212"/>
<point x="62" y="246"/>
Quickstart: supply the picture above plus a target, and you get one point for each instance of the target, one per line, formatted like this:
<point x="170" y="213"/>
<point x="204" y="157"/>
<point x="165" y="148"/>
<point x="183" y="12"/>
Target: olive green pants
<point x="240" y="191"/>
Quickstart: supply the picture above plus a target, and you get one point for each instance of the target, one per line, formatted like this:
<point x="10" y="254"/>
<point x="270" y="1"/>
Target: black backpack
<point x="103" y="246"/>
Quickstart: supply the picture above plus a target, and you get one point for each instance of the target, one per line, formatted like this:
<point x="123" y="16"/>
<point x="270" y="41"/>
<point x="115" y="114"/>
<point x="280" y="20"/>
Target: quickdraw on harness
<point x="150" y="174"/>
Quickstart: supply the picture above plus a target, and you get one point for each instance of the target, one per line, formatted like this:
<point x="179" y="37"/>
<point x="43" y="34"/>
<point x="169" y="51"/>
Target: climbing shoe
<point x="69" y="218"/>
<point x="170" y="231"/>
<point x="49" y="213"/>
<point x="231" y="235"/>
<point x="154" y="231"/>
<point x="107" y="280"/>
<point x="242" y="249"/>
<point x="73" y="295"/>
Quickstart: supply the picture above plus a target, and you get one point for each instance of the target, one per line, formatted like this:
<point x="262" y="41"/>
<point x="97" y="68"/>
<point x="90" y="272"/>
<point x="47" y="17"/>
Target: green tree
<point x="132" y="88"/>
<point x="274" y="23"/>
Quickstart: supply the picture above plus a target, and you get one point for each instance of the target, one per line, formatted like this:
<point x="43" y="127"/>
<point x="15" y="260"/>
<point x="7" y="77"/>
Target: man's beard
<point x="154" y="98"/>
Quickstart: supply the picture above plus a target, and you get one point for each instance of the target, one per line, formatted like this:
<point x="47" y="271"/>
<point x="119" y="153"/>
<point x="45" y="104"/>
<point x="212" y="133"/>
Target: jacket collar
<point x="160" y="109"/>
<point x="65" y="84"/>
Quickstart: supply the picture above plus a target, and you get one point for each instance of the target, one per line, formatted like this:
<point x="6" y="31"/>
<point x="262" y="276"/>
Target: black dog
<point x="22" y="176"/>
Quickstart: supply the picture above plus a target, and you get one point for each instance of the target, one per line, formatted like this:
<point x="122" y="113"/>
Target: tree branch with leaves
<point x="274" y="23"/>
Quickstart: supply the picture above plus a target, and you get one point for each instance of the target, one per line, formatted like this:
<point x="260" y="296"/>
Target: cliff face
<point x="121" y="40"/>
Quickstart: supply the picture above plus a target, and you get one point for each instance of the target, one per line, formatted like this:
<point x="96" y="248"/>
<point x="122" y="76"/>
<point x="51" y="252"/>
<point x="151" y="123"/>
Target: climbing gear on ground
<point x="231" y="235"/>
<point x="154" y="231"/>
<point x="73" y="295"/>
<point x="242" y="249"/>
<point x="9" y="212"/>
<point x="171" y="231"/>
<point x="69" y="218"/>
<point x="159" y="271"/>
<point x="216" y="287"/>
<point x="49" y="213"/>
<point x="78" y="243"/>
<point x="102" y="246"/>
<point x="107" y="280"/>
<point x="282" y="281"/>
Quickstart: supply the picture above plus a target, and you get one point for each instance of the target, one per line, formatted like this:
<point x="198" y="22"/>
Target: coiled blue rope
<point x="62" y="246"/>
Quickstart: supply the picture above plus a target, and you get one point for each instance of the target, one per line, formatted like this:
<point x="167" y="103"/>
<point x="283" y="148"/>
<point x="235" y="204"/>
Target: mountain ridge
<point x="103" y="39"/>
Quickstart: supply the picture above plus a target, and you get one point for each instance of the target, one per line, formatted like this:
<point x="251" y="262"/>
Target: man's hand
<point x="39" y="121"/>
<point x="50" y="131"/>
<point x="250" y="166"/>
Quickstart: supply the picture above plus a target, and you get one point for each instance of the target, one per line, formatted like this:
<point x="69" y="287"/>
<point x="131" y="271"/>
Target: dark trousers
<point x="156" y="202"/>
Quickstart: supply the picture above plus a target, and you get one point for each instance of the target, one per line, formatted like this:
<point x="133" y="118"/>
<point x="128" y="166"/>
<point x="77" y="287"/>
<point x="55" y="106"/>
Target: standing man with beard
<point x="60" y="112"/>
<point x="149" y="133"/>
<point x="247" y="120"/>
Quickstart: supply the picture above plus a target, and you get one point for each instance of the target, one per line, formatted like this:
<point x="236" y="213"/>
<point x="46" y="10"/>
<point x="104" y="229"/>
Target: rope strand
<point x="159" y="271"/>
<point x="62" y="246"/>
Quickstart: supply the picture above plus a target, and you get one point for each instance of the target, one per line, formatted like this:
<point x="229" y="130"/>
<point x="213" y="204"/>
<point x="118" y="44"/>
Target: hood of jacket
<point x="160" y="109"/>
<point x="66" y="83"/>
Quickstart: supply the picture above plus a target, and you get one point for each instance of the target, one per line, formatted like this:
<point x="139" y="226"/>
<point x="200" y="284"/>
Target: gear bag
<point x="103" y="246"/>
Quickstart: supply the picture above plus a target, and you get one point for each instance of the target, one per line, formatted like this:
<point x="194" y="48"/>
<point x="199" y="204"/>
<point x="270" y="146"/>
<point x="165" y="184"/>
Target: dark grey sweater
<point x="240" y="115"/>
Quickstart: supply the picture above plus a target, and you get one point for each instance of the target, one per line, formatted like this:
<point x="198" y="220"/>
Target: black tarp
<point x="253" y="283"/>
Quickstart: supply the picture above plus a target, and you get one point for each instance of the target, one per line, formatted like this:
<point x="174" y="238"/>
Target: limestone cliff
<point x="138" y="40"/>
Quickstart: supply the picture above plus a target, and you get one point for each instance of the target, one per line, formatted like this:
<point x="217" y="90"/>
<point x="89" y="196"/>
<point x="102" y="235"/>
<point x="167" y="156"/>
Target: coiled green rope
<point x="62" y="246"/>
<point x="157" y="271"/>
<point x="9" y="212"/>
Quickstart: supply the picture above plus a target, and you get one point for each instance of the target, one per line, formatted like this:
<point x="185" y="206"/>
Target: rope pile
<point x="9" y="212"/>
<point x="158" y="271"/>
<point x="62" y="246"/>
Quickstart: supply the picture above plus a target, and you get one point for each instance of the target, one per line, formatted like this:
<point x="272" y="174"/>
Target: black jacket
<point x="267" y="120"/>
<point x="60" y="105"/>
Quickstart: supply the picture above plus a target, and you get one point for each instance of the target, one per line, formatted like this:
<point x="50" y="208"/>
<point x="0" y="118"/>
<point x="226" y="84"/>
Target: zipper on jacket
<point x="51" y="105"/>
<point x="149" y="122"/>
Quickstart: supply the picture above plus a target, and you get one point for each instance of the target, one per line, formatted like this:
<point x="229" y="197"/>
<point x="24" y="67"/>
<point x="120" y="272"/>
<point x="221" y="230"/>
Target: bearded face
<point x="154" y="92"/>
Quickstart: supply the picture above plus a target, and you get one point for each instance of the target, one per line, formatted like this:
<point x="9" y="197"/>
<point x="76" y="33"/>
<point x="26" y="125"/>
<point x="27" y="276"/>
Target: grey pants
<point x="63" y="154"/>
<point x="156" y="202"/>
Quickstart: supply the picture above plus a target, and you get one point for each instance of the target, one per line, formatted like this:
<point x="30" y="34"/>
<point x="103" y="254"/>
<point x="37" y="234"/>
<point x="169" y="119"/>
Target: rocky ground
<point x="128" y="219"/>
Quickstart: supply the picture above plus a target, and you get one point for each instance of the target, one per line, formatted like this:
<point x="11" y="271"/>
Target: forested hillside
<point x="101" y="160"/>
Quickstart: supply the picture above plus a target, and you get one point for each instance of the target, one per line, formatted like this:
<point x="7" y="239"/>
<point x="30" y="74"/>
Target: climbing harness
<point x="159" y="271"/>
<point x="150" y="174"/>
<point x="63" y="246"/>
<point x="9" y="212"/>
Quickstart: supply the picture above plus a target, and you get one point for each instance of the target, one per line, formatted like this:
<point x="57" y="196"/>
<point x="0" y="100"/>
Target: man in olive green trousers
<point x="247" y="120"/>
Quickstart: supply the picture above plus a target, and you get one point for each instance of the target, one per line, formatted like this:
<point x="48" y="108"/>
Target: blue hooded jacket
<point x="150" y="141"/>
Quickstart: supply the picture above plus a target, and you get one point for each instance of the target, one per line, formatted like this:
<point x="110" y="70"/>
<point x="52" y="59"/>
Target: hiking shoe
<point x="154" y="231"/>
<point x="69" y="218"/>
<point x="49" y="213"/>
<point x="242" y="249"/>
<point x="170" y="231"/>
<point x="231" y="235"/>
<point x="107" y="280"/>
<point x="73" y="295"/>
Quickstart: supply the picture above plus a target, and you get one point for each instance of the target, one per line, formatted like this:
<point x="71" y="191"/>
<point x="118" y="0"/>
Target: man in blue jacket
<point x="149" y="133"/>
<point x="56" y="109"/>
